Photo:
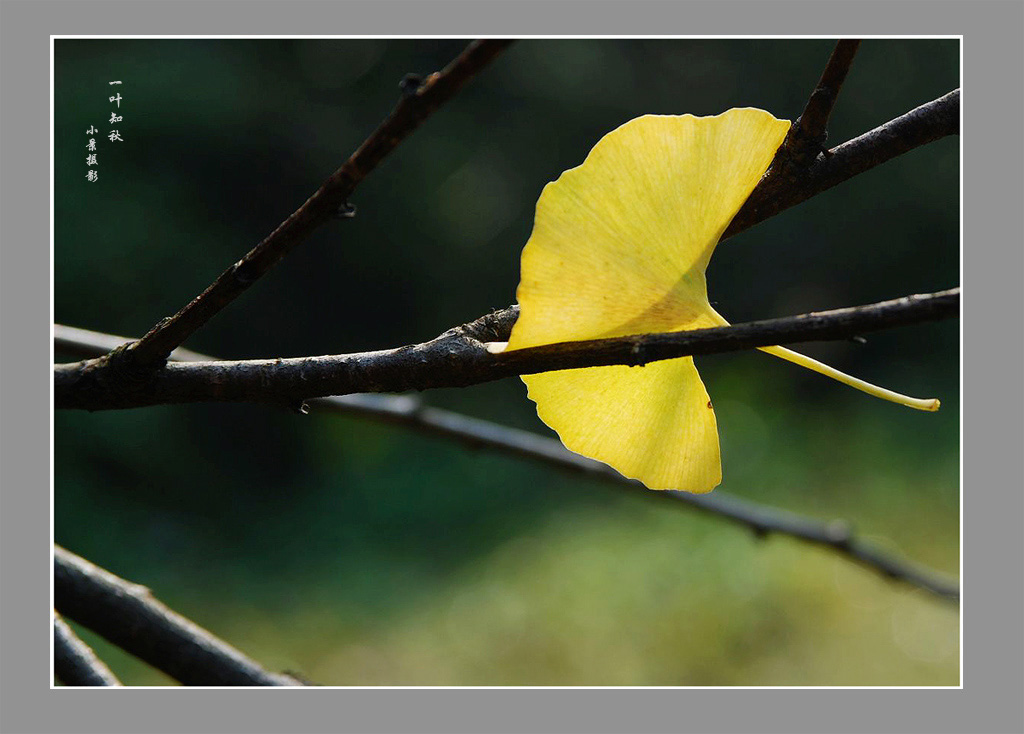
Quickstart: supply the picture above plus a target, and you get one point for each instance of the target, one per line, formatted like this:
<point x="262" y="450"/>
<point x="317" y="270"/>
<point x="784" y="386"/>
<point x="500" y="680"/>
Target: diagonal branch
<point x="408" y="411"/>
<point x="763" y="520"/>
<point x="74" y="662"/>
<point x="87" y="344"/>
<point x="129" y="616"/>
<point x="415" y="106"/>
<point x="457" y="358"/>
<point x="809" y="132"/>
<point x="783" y="188"/>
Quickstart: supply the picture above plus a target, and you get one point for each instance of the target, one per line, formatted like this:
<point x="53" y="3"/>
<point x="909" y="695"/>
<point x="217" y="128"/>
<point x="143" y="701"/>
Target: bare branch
<point x="86" y="344"/>
<point x="761" y="519"/>
<point x="74" y="662"/>
<point x="409" y="411"/>
<point x="808" y="134"/>
<point x="414" y="107"/>
<point x="129" y="616"/>
<point x="457" y="359"/>
<point x="781" y="189"/>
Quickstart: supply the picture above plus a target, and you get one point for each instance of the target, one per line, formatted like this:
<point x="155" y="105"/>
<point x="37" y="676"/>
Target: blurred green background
<point x="361" y="554"/>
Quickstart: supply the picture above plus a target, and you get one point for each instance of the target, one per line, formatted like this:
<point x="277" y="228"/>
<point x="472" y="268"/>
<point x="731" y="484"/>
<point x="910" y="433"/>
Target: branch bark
<point x="809" y="133"/>
<point x="785" y="187"/>
<point x="409" y="411"/>
<point x="129" y="616"/>
<point x="323" y="206"/>
<point x="74" y="662"/>
<point x="458" y="358"/>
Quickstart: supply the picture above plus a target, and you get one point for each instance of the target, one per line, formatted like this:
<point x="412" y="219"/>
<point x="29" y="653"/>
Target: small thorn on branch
<point x="346" y="211"/>
<point x="760" y="532"/>
<point x="840" y="533"/>
<point x="300" y="407"/>
<point x="410" y="84"/>
<point x="243" y="273"/>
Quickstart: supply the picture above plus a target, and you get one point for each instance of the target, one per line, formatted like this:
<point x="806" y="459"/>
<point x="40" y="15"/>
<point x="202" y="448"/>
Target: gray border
<point x="993" y="434"/>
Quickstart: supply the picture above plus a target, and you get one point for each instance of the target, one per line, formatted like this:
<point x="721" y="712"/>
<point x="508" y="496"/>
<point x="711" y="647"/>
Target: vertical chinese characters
<point x="114" y="136"/>
<point x="91" y="175"/>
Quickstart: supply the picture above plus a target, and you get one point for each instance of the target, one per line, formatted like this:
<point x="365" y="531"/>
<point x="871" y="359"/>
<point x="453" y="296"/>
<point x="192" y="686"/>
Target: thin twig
<point x="458" y="359"/>
<point x="129" y="616"/>
<point x="74" y="662"/>
<point x="810" y="131"/>
<point x="85" y="344"/>
<point x="414" y="107"/>
<point x="761" y="519"/>
<point x="408" y="411"/>
<point x="786" y="188"/>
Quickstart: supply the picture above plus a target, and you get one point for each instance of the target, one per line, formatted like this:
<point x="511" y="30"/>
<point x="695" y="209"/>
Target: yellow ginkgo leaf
<point x="619" y="246"/>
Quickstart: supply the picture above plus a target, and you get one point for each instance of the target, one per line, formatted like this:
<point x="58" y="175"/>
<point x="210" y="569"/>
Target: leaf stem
<point x="929" y="404"/>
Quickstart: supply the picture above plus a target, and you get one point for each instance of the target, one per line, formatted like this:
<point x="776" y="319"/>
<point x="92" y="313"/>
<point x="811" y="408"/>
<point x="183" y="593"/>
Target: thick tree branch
<point x="74" y="662"/>
<point x="409" y="411"/>
<point x="129" y="616"/>
<point x="457" y="359"/>
<point x="416" y="105"/>
<point x="783" y="188"/>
